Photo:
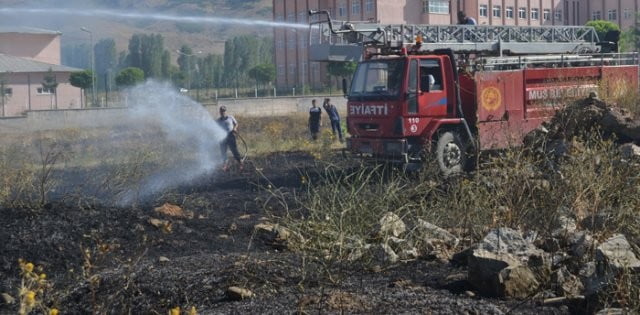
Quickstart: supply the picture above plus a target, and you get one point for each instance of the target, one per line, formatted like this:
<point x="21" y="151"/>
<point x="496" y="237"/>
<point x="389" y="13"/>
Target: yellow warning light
<point x="418" y="39"/>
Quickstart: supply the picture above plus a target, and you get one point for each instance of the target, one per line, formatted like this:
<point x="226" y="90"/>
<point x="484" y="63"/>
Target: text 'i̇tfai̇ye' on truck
<point x="452" y="90"/>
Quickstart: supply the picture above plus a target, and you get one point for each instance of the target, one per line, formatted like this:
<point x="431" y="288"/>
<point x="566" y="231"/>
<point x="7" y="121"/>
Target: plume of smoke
<point x="185" y="125"/>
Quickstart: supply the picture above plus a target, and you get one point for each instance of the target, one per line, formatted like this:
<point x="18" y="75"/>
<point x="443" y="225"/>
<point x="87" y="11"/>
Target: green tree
<point x="106" y="60"/>
<point x="78" y="56"/>
<point x="166" y="65"/>
<point x="230" y="69"/>
<point x="152" y="49"/>
<point x="82" y="80"/>
<point x="263" y="73"/>
<point x="186" y="64"/>
<point x="630" y="39"/>
<point x="602" y="27"/>
<point x="343" y="70"/>
<point x="135" y="51"/>
<point x="129" y="77"/>
<point x="50" y="84"/>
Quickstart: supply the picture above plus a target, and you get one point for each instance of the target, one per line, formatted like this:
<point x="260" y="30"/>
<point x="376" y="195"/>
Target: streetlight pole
<point x="93" y="74"/>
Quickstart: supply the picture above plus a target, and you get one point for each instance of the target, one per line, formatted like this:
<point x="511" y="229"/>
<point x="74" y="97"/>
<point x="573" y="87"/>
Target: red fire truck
<point x="455" y="89"/>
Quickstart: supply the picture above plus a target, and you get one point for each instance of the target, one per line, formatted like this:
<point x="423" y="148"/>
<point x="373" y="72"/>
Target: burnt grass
<point x="107" y="259"/>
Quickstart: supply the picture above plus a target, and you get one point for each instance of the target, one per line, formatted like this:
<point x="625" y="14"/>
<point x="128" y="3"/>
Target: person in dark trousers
<point x="334" y="117"/>
<point x="315" y="114"/>
<point x="230" y="126"/>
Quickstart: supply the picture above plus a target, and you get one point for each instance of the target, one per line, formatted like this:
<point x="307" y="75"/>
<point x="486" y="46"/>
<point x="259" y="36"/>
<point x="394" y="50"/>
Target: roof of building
<point x="28" y="30"/>
<point x="10" y="63"/>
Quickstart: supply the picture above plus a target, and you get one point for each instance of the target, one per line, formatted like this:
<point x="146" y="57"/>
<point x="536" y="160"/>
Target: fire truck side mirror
<point x="344" y="87"/>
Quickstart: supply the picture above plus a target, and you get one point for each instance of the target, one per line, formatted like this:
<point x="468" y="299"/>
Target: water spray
<point x="151" y="16"/>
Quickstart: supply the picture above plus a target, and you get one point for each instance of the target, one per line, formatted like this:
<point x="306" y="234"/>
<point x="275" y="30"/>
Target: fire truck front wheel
<point x="451" y="153"/>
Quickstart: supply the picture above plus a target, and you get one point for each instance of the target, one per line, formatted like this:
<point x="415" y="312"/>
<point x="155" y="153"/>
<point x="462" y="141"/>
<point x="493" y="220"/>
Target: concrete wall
<point x="110" y="117"/>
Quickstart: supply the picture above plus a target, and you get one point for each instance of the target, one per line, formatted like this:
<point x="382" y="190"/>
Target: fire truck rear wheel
<point x="451" y="153"/>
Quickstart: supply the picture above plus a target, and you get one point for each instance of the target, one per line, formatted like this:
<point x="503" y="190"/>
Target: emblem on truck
<point x="491" y="98"/>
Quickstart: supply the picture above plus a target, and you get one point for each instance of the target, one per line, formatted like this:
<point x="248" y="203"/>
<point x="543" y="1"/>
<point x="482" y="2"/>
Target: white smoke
<point x="184" y="124"/>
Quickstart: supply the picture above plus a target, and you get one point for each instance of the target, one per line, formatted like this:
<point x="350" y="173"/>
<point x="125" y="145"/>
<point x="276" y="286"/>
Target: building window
<point x="497" y="11"/>
<point x="613" y="15"/>
<point x="522" y="13"/>
<point x="535" y="13"/>
<point x="483" y="10"/>
<point x="302" y="17"/>
<point x="627" y="14"/>
<point x="8" y="92"/>
<point x="280" y="44"/>
<point x="280" y="18"/>
<point x="292" y="68"/>
<point x="546" y="14"/>
<point x="508" y="12"/>
<point x="355" y="7"/>
<point x="42" y="90"/>
<point x="558" y="15"/>
<point x="436" y="6"/>
<point x="342" y="9"/>
<point x="596" y="15"/>
<point x="281" y="70"/>
<point x="368" y="5"/>
<point x="291" y="17"/>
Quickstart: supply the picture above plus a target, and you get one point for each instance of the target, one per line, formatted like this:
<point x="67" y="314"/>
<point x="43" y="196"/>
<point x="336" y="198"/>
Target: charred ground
<point x="112" y="260"/>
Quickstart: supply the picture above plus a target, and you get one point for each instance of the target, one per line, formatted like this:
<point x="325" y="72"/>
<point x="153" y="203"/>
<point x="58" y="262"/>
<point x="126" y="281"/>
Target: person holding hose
<point x="230" y="126"/>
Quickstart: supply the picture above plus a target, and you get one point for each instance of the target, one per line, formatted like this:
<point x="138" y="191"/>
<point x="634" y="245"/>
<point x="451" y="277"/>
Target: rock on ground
<point x="505" y="264"/>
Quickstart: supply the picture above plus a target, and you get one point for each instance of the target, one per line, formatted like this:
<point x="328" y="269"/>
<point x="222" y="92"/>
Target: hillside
<point x="208" y="38"/>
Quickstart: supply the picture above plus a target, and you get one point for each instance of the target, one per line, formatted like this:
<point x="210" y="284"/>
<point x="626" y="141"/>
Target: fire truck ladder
<point x="345" y="41"/>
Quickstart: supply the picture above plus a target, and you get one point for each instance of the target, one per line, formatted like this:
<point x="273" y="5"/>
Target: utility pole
<point x="93" y="72"/>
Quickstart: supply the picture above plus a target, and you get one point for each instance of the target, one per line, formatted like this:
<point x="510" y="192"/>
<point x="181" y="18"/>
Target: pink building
<point x="293" y="68"/>
<point x="26" y="56"/>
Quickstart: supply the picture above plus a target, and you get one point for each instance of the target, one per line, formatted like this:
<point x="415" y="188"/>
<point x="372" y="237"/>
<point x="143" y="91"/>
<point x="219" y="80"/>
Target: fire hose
<point x="246" y="147"/>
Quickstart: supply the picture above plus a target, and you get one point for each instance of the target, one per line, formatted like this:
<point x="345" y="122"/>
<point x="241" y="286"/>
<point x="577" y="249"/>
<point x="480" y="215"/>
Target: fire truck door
<point x="432" y="97"/>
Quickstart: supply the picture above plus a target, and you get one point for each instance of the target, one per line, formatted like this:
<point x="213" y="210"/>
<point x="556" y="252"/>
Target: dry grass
<point x="339" y="213"/>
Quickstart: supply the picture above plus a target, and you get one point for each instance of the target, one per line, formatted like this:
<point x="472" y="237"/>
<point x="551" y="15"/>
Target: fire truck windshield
<point x="378" y="79"/>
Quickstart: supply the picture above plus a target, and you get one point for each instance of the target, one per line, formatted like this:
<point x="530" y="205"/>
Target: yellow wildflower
<point x="54" y="311"/>
<point x="193" y="311"/>
<point x="175" y="311"/>
<point x="30" y="298"/>
<point x="43" y="276"/>
<point x="28" y="267"/>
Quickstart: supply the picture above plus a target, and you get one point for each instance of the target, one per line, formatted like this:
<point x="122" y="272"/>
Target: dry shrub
<point x="16" y="182"/>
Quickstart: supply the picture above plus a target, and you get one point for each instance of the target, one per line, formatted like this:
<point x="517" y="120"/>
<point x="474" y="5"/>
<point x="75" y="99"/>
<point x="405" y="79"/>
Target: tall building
<point x="293" y="68"/>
